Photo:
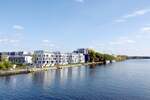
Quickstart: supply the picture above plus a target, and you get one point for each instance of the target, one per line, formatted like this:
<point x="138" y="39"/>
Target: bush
<point x="7" y="64"/>
<point x="1" y="66"/>
<point x="4" y="64"/>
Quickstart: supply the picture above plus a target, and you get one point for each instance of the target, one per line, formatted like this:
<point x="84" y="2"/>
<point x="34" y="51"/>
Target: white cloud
<point x="145" y="29"/>
<point x="130" y="41"/>
<point x="3" y="40"/>
<point x="138" y="36"/>
<point x="47" y="43"/>
<point x="97" y="43"/>
<point x="8" y="41"/>
<point x="13" y="41"/>
<point x="81" y="1"/>
<point x="133" y="14"/>
<point x="122" y="41"/>
<point x="18" y="27"/>
<point x="137" y="13"/>
<point x="115" y="43"/>
<point x="120" y="20"/>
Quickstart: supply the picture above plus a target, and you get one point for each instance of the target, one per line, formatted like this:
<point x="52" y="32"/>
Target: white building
<point x="18" y="57"/>
<point x="60" y="58"/>
<point x="75" y="58"/>
<point x="42" y="58"/>
<point x="81" y="58"/>
<point x="47" y="59"/>
<point x="84" y="51"/>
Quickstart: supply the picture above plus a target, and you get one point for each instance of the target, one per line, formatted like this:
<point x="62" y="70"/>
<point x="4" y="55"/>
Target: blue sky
<point x="112" y="26"/>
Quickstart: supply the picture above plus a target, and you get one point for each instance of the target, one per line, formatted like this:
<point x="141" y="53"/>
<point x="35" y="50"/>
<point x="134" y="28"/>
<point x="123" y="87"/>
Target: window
<point x="39" y="62"/>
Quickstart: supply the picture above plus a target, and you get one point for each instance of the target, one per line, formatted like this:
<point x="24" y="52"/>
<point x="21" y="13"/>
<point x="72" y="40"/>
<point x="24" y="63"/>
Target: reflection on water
<point x="60" y="76"/>
<point x="119" y="81"/>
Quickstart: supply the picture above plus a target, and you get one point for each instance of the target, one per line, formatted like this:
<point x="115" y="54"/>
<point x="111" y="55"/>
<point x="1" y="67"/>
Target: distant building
<point x="17" y="57"/>
<point x="1" y="54"/>
<point x="82" y="50"/>
<point x="75" y="58"/>
<point x="24" y="59"/>
<point x="41" y="58"/>
<point x="47" y="59"/>
<point x="85" y="52"/>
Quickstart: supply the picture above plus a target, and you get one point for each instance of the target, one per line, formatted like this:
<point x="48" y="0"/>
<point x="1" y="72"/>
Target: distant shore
<point x="31" y="70"/>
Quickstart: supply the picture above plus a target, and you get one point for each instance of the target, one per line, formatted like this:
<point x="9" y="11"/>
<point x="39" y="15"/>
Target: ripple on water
<point x="127" y="80"/>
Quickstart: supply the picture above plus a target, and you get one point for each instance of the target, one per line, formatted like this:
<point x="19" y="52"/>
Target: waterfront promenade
<point x="30" y="70"/>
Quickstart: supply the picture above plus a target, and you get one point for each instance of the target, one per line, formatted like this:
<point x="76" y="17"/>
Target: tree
<point x="97" y="57"/>
<point x="92" y="55"/>
<point x="109" y="57"/>
<point x="5" y="64"/>
<point x="1" y="65"/>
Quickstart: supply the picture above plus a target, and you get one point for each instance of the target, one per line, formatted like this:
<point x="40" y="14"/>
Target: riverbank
<point x="31" y="70"/>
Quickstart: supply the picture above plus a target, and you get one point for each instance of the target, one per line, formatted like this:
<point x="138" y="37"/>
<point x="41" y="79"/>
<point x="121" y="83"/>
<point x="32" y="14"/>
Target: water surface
<point x="129" y="80"/>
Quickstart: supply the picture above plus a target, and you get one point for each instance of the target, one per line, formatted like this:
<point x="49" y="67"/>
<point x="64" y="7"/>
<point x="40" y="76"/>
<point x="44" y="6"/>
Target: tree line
<point x="98" y="57"/>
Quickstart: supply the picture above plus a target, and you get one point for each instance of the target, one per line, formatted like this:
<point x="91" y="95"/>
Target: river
<point x="128" y="80"/>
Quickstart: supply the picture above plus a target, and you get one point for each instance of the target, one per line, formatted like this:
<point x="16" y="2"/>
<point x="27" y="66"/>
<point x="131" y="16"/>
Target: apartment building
<point x="85" y="52"/>
<point x="47" y="59"/>
<point x="17" y="57"/>
<point x="75" y="58"/>
<point x="82" y="50"/>
<point x="42" y="58"/>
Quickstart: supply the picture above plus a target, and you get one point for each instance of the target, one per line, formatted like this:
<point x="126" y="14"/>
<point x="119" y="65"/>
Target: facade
<point x="74" y="58"/>
<point x="61" y="58"/>
<point x="24" y="59"/>
<point x="83" y="51"/>
<point x="17" y="57"/>
<point x="42" y="58"/>
<point x="47" y="59"/>
<point x="3" y="55"/>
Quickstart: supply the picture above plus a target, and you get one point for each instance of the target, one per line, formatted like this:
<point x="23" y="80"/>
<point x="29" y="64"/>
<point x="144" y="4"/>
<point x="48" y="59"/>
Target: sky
<point x="108" y="26"/>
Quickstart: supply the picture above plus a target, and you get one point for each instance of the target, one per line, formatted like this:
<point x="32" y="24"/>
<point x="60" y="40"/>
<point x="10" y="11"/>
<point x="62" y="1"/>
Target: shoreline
<point x="32" y="70"/>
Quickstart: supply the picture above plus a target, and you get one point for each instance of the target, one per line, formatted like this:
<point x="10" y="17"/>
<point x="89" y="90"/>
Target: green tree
<point x="109" y="57"/>
<point x="5" y="64"/>
<point x="1" y="65"/>
<point x="92" y="55"/>
<point x="97" y="57"/>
